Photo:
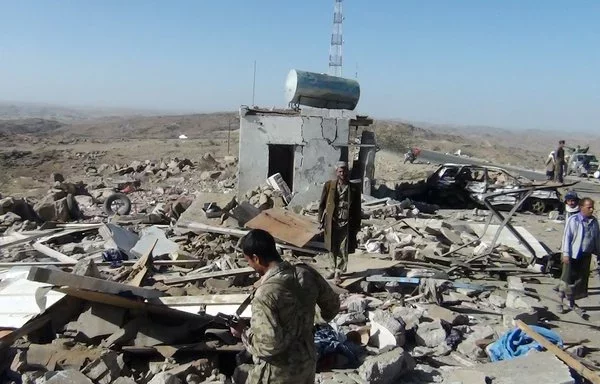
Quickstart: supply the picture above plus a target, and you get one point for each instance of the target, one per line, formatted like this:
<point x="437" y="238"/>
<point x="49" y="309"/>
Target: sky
<point x="506" y="63"/>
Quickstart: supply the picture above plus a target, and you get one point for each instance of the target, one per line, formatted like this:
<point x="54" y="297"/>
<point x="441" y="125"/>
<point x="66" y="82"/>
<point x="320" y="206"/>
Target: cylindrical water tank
<point x="321" y="91"/>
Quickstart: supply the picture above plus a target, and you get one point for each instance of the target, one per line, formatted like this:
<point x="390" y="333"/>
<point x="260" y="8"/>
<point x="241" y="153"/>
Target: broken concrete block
<point x="105" y="369"/>
<point x="481" y="249"/>
<point x="411" y="317"/>
<point x="165" y="378"/>
<point x="149" y="235"/>
<point x="86" y="267"/>
<point x="497" y="301"/>
<point x="386" y="368"/>
<point x="69" y="376"/>
<point x="124" y="380"/>
<point x="469" y="347"/>
<point x="535" y="367"/>
<point x="435" y="312"/>
<point x="431" y="334"/>
<point x="100" y="320"/>
<point x="403" y="253"/>
<point x="466" y="376"/>
<point x="451" y="237"/>
<point x="516" y="299"/>
<point x="509" y="316"/>
<point x="355" y="303"/>
<point x="350" y="318"/>
<point x="385" y="331"/>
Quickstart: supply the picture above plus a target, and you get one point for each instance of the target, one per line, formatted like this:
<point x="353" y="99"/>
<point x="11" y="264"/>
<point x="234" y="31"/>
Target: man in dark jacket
<point x="559" y="163"/>
<point x="339" y="212"/>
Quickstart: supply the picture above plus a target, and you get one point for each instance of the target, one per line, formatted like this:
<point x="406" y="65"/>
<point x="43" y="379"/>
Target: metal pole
<point x="254" y="83"/>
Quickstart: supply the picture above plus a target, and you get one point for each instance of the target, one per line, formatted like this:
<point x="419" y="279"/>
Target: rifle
<point x="231" y="321"/>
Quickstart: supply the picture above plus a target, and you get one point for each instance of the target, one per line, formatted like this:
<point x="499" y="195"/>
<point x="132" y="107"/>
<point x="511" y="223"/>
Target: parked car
<point x="582" y="164"/>
<point x="464" y="186"/>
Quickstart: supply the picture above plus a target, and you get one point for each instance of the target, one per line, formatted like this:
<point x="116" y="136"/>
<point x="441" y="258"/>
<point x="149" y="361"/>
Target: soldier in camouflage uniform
<point x="280" y="335"/>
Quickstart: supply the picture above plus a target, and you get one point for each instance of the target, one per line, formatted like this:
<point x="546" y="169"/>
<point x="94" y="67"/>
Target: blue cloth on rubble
<point x="114" y="256"/>
<point x="328" y="341"/>
<point x="517" y="343"/>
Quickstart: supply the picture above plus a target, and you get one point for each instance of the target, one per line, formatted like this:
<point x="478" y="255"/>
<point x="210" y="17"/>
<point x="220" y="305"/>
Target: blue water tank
<point x="321" y="91"/>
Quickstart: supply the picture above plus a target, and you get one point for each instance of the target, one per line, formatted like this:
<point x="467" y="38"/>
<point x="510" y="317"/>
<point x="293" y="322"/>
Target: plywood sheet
<point x="285" y="226"/>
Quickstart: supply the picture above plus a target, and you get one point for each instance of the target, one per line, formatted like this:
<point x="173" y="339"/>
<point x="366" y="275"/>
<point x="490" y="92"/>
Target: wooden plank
<point x="204" y="228"/>
<point x="46" y="250"/>
<point x="209" y="346"/>
<point x="60" y="278"/>
<point x="201" y="299"/>
<point x="141" y="267"/>
<point x="286" y="226"/>
<point x="122" y="302"/>
<point x="208" y="275"/>
<point x="103" y="263"/>
<point x="576" y="365"/>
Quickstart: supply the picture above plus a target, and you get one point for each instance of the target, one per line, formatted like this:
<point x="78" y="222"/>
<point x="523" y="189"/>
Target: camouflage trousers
<point x="339" y="248"/>
<point x="265" y="373"/>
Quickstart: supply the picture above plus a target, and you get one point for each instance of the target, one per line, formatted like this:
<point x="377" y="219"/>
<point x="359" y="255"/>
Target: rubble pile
<point x="144" y="297"/>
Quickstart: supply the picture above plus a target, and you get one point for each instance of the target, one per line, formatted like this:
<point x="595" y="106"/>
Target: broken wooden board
<point x="509" y="240"/>
<point x="141" y="267"/>
<point x="122" y="302"/>
<point x="208" y="275"/>
<point x="236" y="298"/>
<point x="285" y="226"/>
<point x="46" y="250"/>
<point x="60" y="278"/>
<point x="209" y="346"/>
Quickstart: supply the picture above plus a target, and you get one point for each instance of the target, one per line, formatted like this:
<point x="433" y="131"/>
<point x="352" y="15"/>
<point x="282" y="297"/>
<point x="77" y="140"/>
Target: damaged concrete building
<point x="304" y="142"/>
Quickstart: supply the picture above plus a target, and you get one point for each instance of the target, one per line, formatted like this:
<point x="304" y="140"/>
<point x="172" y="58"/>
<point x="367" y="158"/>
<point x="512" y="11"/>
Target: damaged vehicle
<point x="464" y="186"/>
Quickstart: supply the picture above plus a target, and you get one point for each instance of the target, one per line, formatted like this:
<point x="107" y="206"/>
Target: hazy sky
<point x="521" y="63"/>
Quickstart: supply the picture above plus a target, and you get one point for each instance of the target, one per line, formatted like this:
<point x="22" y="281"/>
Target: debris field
<point x="136" y="291"/>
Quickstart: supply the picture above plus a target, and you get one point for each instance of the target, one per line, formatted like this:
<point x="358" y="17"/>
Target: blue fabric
<point x="328" y="341"/>
<point x="114" y="256"/>
<point x="517" y="343"/>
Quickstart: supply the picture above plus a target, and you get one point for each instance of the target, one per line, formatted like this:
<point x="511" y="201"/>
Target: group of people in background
<point x="556" y="164"/>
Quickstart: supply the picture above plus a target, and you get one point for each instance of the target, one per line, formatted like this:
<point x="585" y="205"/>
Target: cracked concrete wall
<point x="318" y="136"/>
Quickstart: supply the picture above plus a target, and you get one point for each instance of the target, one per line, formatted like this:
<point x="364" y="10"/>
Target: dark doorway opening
<point x="281" y="160"/>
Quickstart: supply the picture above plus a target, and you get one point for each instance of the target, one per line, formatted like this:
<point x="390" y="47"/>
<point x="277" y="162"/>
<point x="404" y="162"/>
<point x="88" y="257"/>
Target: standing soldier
<point x="339" y="212"/>
<point x="280" y="336"/>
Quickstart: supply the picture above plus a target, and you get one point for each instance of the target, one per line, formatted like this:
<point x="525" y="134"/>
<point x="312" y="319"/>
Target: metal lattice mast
<point x="335" y="49"/>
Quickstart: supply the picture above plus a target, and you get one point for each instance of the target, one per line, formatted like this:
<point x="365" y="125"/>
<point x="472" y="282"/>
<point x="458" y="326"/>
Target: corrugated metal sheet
<point x="21" y="299"/>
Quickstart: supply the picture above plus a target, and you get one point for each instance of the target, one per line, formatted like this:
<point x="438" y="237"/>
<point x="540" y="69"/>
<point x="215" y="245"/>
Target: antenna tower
<point x="335" y="49"/>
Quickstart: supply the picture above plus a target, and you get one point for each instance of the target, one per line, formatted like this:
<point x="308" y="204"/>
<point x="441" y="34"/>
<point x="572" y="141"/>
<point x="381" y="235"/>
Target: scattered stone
<point x="350" y="318"/>
<point x="165" y="378"/>
<point x="435" y="312"/>
<point x="68" y="376"/>
<point x="431" y="334"/>
<point x="387" y="367"/>
<point x="517" y="300"/>
<point x="497" y="300"/>
<point x="385" y="331"/>
<point x="411" y="317"/>
<point x="86" y="267"/>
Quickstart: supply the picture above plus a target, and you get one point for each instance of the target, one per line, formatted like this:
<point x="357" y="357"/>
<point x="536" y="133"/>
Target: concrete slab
<point x="536" y="367"/>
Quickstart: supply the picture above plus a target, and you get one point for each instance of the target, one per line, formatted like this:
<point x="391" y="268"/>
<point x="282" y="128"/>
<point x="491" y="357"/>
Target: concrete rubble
<point x="423" y="298"/>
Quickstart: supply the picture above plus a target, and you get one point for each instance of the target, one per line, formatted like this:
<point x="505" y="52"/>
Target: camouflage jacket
<point x="280" y="335"/>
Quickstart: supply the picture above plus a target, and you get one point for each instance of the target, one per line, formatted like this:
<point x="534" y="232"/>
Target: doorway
<point x="281" y="160"/>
